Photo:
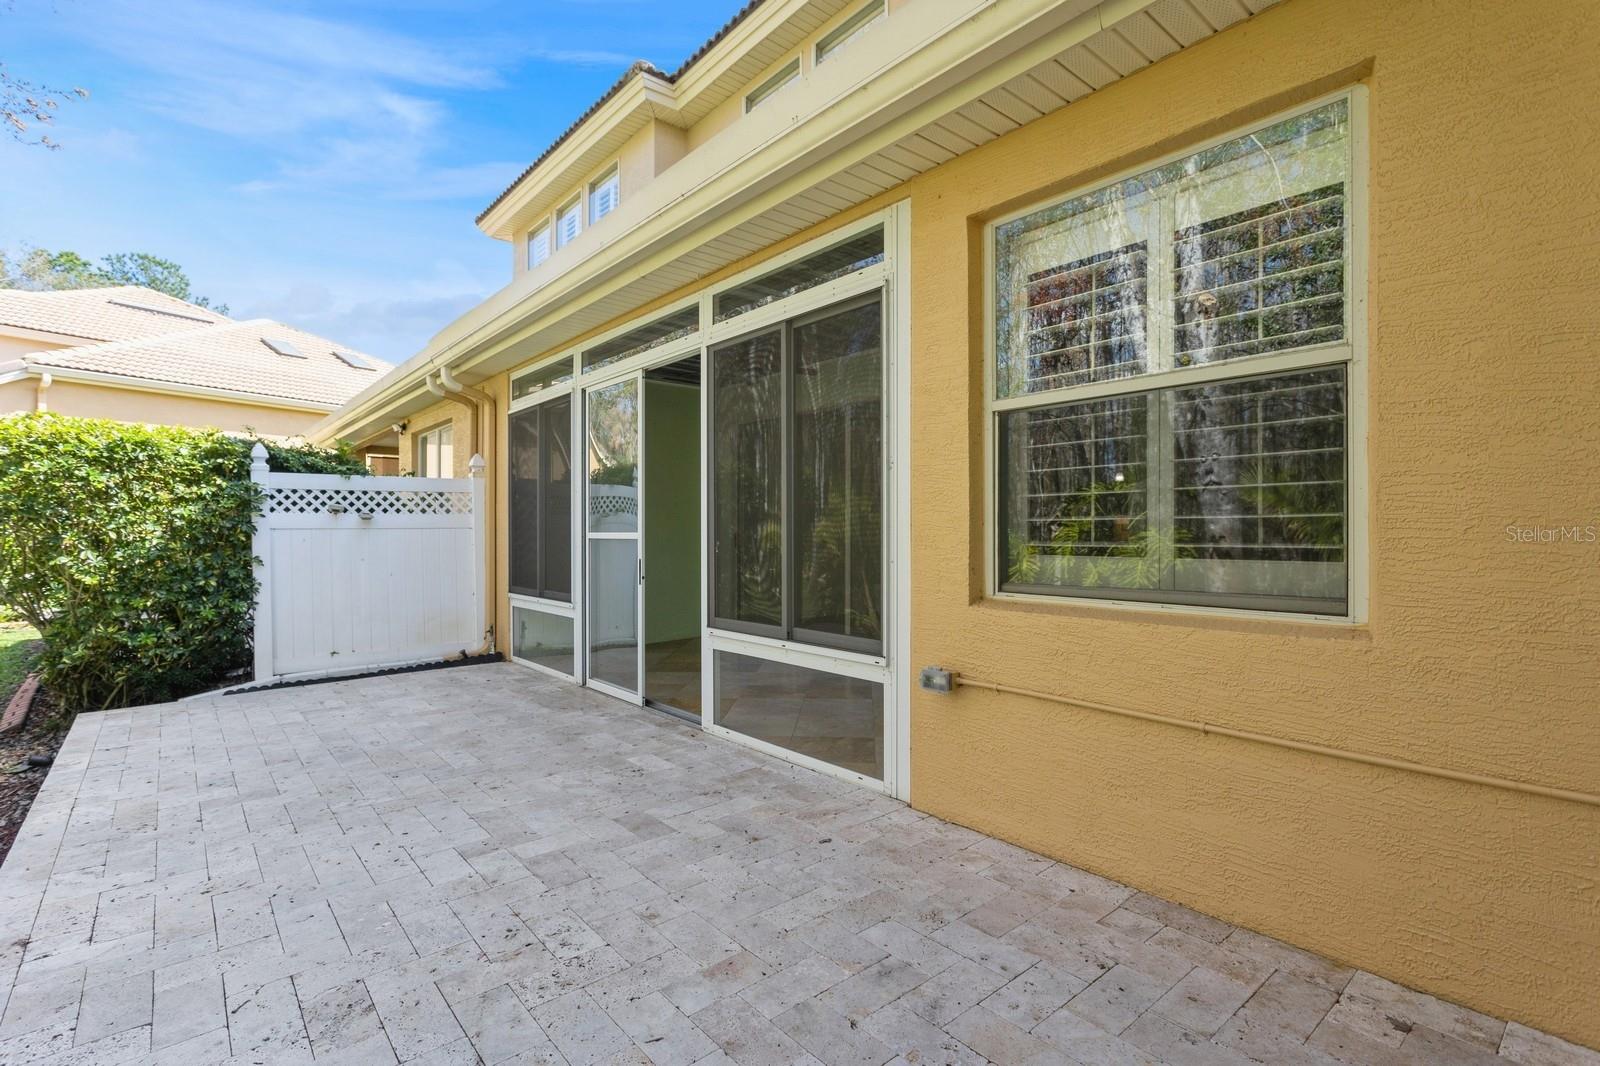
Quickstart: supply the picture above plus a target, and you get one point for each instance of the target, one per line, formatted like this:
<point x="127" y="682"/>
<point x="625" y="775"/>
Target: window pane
<point x="614" y="458"/>
<point x="846" y="257"/>
<point x="541" y="501"/>
<point x="849" y="29"/>
<point x="663" y="330"/>
<point x="538" y="246"/>
<point x="838" y="477"/>
<point x="447" y="463"/>
<point x="1259" y="488"/>
<point x="1252" y="232"/>
<point x="555" y="512"/>
<point x="541" y="377"/>
<point x="826" y="716"/>
<point x="526" y="499"/>
<point x="603" y="197"/>
<point x="1075" y="485"/>
<point x="1237" y="499"/>
<point x="569" y="222"/>
<point x="546" y="639"/>
<point x="614" y="611"/>
<point x="764" y="92"/>
<point x="747" y="453"/>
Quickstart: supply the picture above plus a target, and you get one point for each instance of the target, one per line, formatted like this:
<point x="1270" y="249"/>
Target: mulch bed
<point x="41" y="735"/>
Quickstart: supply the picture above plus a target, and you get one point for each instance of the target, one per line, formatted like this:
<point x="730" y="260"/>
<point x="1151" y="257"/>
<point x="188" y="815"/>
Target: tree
<point x="39" y="269"/>
<point x="25" y="105"/>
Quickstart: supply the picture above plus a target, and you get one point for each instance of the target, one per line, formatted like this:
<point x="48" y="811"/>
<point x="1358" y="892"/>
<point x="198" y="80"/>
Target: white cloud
<point x="334" y="105"/>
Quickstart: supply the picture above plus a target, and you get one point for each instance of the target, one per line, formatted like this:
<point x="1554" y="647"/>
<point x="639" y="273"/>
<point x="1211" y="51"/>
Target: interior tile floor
<point x="486" y="865"/>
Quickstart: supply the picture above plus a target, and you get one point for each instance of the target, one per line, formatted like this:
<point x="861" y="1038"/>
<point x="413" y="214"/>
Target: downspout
<point x="40" y="402"/>
<point x="481" y="406"/>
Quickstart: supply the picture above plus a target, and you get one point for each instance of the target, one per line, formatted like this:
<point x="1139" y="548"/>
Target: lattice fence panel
<point x="369" y="501"/>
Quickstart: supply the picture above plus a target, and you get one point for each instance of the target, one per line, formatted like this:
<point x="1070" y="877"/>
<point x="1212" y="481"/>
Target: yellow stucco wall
<point x="432" y="418"/>
<point x="1479" y="654"/>
<point x="164" y="409"/>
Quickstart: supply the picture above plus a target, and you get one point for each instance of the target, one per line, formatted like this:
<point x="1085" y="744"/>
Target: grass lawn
<point x="16" y="651"/>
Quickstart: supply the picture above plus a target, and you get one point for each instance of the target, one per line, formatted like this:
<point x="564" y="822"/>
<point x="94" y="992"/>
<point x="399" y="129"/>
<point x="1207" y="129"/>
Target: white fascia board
<point x="123" y="381"/>
<point x="956" y="54"/>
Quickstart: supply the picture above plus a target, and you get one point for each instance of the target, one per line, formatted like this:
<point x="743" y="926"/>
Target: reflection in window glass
<point x="614" y="458"/>
<point x="556" y="372"/>
<point x="1230" y="493"/>
<point x="654" y="334"/>
<point x="1255" y="252"/>
<point x="846" y="257"/>
<point x="546" y="639"/>
<point x="836" y="719"/>
<point x="747" y="443"/>
<point x="838" y="476"/>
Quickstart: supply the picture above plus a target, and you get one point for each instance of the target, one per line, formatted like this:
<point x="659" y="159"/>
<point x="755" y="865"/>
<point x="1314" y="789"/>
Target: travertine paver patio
<point x="482" y="865"/>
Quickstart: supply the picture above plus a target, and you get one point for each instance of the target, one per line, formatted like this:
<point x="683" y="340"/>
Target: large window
<point x="1172" y="380"/>
<point x="436" y="451"/>
<point x="797" y="479"/>
<point x="541" y="500"/>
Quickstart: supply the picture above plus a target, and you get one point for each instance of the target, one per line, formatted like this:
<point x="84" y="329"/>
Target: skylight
<point x="283" y="347"/>
<point x="351" y="358"/>
<point x="131" y="305"/>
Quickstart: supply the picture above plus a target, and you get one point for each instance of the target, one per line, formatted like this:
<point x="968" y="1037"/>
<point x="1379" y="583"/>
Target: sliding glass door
<point x="797" y="540"/>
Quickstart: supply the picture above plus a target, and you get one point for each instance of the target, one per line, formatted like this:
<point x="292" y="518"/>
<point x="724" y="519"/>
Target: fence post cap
<point x="476" y="465"/>
<point x="259" y="452"/>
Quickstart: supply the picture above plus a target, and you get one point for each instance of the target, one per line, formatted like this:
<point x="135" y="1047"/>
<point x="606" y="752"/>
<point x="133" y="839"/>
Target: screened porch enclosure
<point x="716" y="476"/>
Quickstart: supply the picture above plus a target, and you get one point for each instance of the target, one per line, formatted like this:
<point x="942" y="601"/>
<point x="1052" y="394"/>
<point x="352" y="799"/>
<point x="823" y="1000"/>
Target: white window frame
<point x="613" y="173"/>
<point x="574" y="203"/>
<point x="786" y="75"/>
<point x="432" y="438"/>
<point x="1350" y="353"/>
<point x="891" y="668"/>
<point x="830" y="43"/>
<point x="545" y="233"/>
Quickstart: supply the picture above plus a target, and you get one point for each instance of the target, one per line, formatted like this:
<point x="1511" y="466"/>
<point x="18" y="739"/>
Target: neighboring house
<point x="137" y="355"/>
<point x="1209" y="359"/>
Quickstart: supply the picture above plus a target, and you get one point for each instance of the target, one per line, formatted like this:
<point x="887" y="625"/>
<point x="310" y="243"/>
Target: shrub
<point x="129" y="548"/>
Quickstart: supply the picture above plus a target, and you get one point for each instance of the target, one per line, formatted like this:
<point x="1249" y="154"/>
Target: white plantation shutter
<point x="1079" y="296"/>
<point x="539" y="245"/>
<point x="569" y="223"/>
<point x="604" y="195"/>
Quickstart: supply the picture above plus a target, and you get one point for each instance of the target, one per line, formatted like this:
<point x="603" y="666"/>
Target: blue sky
<point x="318" y="163"/>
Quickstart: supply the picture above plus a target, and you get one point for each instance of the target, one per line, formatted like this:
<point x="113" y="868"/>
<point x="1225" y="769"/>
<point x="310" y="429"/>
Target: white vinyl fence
<point x="366" y="571"/>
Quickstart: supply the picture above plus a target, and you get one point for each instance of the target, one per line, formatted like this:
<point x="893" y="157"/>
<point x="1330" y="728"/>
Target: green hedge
<point x="128" y="547"/>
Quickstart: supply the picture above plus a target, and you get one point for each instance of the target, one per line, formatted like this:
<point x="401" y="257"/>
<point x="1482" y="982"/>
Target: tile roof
<point x="118" y="313"/>
<point x="234" y="356"/>
<point x="639" y="67"/>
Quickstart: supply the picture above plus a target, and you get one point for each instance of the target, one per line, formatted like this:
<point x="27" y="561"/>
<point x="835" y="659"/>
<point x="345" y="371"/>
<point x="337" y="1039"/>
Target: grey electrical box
<point x="937" y="679"/>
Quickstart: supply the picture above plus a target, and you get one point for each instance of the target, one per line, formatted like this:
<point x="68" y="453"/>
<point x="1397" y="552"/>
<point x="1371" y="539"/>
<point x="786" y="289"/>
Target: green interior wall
<point x="672" y="506"/>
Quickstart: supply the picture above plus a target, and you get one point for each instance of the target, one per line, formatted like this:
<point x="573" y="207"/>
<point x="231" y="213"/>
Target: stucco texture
<point x="1479" y="654"/>
<point x="83" y="400"/>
